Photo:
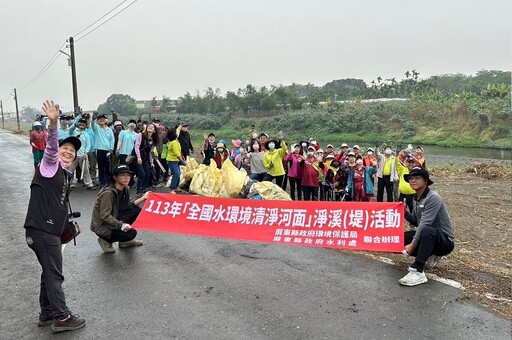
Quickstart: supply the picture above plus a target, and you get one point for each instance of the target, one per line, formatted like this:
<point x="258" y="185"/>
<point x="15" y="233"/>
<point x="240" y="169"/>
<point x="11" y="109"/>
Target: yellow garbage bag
<point x="206" y="181"/>
<point x="232" y="180"/>
<point x="270" y="191"/>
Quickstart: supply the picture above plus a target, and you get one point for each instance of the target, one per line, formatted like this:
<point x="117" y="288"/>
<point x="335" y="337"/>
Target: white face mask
<point x="388" y="151"/>
<point x="221" y="150"/>
<point x="370" y="153"/>
<point x="311" y="153"/>
<point x="271" y="146"/>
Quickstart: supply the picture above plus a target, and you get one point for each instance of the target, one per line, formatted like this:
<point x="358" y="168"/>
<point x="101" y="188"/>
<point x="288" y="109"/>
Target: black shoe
<point x="69" y="323"/>
<point x="91" y="187"/>
<point x="45" y="319"/>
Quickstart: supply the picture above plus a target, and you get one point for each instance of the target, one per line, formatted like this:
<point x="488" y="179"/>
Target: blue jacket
<point x="368" y="181"/>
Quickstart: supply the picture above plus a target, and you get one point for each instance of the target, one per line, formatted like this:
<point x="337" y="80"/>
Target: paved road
<point x="201" y="288"/>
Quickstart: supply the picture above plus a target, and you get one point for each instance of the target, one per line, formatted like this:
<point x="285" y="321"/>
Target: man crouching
<point x="114" y="213"/>
<point x="434" y="236"/>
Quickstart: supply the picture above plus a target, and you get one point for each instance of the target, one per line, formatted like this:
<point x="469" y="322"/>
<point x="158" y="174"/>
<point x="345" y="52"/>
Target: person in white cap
<point x="38" y="143"/>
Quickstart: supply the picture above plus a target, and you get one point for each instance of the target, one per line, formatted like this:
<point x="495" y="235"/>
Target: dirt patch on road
<point x="479" y="200"/>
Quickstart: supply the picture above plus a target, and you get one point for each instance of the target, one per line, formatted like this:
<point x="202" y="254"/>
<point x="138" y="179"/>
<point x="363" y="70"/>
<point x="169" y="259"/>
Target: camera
<point x="75" y="214"/>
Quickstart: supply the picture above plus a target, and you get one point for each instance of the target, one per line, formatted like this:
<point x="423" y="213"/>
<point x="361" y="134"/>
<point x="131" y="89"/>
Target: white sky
<point x="167" y="47"/>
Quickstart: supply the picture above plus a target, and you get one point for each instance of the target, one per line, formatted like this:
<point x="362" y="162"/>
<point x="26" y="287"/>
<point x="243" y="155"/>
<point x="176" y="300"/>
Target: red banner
<point x="345" y="225"/>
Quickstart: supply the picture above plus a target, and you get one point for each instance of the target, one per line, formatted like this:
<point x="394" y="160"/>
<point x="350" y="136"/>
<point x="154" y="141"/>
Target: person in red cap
<point x="47" y="215"/>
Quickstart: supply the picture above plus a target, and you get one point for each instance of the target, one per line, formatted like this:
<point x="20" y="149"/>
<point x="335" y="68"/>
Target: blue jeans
<point x="174" y="166"/>
<point x="143" y="176"/>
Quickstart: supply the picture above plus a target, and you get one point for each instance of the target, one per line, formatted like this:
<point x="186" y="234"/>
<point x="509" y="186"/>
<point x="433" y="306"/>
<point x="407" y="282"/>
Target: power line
<point x="45" y="68"/>
<point x="77" y="34"/>
<point x="103" y="23"/>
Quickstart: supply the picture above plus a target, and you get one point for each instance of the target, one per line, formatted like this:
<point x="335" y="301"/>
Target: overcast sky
<point x="167" y="47"/>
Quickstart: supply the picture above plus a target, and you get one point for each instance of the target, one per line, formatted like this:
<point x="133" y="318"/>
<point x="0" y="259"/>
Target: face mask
<point x="304" y="145"/>
<point x="388" y="152"/>
<point x="370" y="153"/>
<point x="131" y="125"/>
<point x="119" y="128"/>
<point x="221" y="150"/>
<point x="271" y="146"/>
<point x="359" y="161"/>
<point x="256" y="147"/>
<point x="310" y="153"/>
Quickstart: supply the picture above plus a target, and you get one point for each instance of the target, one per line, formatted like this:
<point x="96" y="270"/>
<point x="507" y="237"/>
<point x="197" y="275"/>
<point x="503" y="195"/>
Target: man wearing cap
<point x="47" y="216"/>
<point x="114" y="213"/>
<point x="341" y="157"/>
<point x="185" y="141"/>
<point x="434" y="236"/>
<point x="104" y="139"/>
<point x="209" y="146"/>
<point x="386" y="174"/>
<point x="38" y="143"/>
<point x="81" y="155"/>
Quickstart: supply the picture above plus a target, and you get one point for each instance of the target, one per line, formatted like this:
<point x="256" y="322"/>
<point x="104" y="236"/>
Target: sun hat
<point x="419" y="171"/>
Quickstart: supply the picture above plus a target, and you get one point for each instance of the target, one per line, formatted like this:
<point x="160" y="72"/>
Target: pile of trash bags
<point x="228" y="182"/>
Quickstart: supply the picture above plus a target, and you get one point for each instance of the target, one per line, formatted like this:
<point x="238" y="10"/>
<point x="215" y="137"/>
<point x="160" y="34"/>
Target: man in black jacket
<point x="185" y="142"/>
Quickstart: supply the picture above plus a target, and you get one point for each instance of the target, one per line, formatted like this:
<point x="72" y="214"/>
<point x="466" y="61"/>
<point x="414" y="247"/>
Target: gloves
<point x="125" y="227"/>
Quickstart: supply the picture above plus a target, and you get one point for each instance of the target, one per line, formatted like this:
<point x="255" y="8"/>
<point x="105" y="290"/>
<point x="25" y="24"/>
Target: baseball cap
<point x="122" y="168"/>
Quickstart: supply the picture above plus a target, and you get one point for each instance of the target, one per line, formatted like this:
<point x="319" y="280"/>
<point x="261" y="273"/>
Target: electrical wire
<point x="103" y="23"/>
<point x="77" y="34"/>
<point x="58" y="53"/>
<point x="43" y="71"/>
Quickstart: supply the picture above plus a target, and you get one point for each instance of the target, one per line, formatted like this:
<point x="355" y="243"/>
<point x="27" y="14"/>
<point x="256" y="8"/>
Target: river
<point x="436" y="155"/>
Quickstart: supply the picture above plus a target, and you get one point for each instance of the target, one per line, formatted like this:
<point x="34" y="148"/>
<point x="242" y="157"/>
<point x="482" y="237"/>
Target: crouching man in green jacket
<point x="114" y="213"/>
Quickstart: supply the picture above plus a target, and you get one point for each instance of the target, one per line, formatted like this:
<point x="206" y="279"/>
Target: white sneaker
<point x="413" y="278"/>
<point x="432" y="261"/>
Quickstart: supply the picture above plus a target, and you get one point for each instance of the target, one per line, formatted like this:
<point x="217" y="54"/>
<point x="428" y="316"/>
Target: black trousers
<point x="279" y="179"/>
<point x="295" y="185"/>
<point x="128" y="216"/>
<point x="47" y="248"/>
<point x="384" y="182"/>
<point x="104" y="174"/>
<point x="432" y="241"/>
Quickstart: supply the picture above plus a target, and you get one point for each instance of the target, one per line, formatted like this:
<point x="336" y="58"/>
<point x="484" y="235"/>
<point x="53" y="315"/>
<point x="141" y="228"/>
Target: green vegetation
<point x="445" y="110"/>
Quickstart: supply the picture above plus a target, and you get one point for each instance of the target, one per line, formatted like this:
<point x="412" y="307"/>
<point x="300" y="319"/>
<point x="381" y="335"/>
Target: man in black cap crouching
<point x="434" y="236"/>
<point x="114" y="213"/>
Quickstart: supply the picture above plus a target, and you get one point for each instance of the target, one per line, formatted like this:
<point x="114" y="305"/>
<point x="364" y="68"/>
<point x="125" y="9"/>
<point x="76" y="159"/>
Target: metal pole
<point x="73" y="76"/>
<point x="17" y="112"/>
<point x="2" y="109"/>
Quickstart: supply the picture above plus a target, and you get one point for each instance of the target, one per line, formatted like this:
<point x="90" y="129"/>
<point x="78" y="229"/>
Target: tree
<point x="117" y="102"/>
<point x="166" y="103"/>
<point x="29" y="112"/>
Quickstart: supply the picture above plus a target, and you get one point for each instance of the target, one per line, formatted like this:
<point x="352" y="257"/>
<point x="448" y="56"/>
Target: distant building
<point x="146" y="105"/>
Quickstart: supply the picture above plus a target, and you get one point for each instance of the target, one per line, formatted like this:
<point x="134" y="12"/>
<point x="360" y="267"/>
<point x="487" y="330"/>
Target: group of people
<point x="57" y="153"/>
<point x="315" y="174"/>
<point x="140" y="145"/>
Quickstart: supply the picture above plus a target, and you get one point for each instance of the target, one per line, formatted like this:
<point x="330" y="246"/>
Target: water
<point x="440" y="154"/>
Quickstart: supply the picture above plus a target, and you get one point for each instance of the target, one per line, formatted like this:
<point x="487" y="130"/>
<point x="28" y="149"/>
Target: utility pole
<point x="73" y="76"/>
<point x="17" y="112"/>
<point x="2" y="109"/>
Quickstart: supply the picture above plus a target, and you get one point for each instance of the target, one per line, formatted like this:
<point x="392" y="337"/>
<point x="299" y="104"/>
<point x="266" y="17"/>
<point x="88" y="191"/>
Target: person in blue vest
<point x="104" y="140"/>
<point x="47" y="215"/>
